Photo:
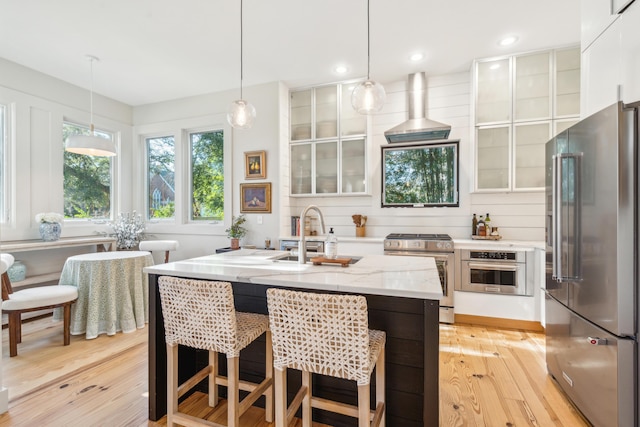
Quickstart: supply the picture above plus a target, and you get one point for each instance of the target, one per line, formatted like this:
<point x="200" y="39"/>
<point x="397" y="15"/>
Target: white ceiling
<point x="156" y="50"/>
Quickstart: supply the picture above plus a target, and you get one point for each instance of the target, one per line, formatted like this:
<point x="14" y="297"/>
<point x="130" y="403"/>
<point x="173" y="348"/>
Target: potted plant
<point x="236" y="231"/>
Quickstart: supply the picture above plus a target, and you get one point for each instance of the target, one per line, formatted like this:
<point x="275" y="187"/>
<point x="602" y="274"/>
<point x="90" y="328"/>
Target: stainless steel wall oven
<point x="438" y="246"/>
<point x="496" y="271"/>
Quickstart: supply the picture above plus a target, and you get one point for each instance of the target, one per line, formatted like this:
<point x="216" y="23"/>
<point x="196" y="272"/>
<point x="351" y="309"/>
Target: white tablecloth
<point x="113" y="292"/>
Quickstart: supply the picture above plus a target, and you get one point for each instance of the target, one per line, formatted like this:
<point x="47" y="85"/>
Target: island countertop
<point x="399" y="276"/>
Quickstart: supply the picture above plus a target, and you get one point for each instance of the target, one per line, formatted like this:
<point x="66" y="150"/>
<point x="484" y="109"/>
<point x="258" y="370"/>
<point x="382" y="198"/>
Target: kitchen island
<point x="402" y="295"/>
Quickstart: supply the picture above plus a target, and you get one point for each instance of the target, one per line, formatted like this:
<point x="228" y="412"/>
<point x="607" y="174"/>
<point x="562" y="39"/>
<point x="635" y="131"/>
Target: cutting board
<point x="344" y="262"/>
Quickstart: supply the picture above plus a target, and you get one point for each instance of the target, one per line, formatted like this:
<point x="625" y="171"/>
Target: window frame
<point x="145" y="152"/>
<point x="227" y="175"/>
<point x="6" y="145"/>
<point x="180" y="130"/>
<point x="113" y="169"/>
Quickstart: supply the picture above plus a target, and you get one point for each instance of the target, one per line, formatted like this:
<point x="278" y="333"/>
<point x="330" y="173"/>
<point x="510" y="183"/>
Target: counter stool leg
<point x="172" y="383"/>
<point x="269" y="401"/>
<point x="280" y="391"/>
<point x="233" y="391"/>
<point x="213" y="384"/>
<point x="381" y="384"/>
<point x="306" y="401"/>
<point x="364" y="412"/>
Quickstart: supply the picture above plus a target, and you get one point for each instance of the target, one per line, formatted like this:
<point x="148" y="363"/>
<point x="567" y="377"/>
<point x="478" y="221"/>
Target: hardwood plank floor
<point x="488" y="377"/>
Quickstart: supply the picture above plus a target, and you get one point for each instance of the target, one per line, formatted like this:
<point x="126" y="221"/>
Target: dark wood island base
<point x="411" y="325"/>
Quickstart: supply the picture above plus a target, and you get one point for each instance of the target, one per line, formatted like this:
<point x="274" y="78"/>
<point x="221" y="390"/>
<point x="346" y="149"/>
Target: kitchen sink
<point x="289" y="257"/>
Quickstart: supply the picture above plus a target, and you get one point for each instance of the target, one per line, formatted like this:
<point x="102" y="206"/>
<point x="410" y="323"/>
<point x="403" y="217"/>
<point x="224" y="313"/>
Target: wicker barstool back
<point x="325" y="334"/>
<point x="322" y="333"/>
<point x="201" y="314"/>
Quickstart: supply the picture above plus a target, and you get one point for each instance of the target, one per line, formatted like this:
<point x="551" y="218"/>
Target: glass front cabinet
<point x="328" y="142"/>
<point x="521" y="102"/>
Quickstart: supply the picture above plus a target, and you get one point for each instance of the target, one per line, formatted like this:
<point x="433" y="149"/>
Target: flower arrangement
<point x="128" y="230"/>
<point x="236" y="230"/>
<point x="50" y="217"/>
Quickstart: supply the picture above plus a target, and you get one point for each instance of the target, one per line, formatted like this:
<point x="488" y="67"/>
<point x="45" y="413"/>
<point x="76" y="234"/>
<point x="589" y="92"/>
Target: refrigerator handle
<point x="574" y="272"/>
<point x="577" y="218"/>
<point x="556" y="201"/>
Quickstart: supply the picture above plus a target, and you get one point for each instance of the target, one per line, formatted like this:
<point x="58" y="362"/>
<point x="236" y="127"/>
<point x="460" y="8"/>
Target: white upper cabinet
<point x="610" y="55"/>
<point x="630" y="53"/>
<point x="595" y="17"/>
<point x="493" y="99"/>
<point x="328" y="143"/>
<point x="520" y="101"/>
<point x="532" y="97"/>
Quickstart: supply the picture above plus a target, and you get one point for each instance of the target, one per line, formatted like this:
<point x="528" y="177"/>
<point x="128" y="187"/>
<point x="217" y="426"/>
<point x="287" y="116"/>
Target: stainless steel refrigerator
<point x="591" y="286"/>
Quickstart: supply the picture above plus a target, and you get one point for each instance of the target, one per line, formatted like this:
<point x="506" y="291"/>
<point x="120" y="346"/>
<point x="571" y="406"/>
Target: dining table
<point x="113" y="292"/>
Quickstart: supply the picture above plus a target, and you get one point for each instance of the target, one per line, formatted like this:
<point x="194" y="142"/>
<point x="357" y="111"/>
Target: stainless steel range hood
<point x="418" y="127"/>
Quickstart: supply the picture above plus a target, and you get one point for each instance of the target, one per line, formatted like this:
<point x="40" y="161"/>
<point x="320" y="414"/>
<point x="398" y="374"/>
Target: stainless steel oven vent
<point x="418" y="127"/>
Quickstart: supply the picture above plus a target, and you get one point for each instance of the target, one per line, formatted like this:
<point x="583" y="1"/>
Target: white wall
<point x="205" y="112"/>
<point x="519" y="216"/>
<point x="38" y="106"/>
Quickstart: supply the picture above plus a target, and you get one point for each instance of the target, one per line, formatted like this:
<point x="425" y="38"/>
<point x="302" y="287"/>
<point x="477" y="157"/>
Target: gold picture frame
<point x="255" y="198"/>
<point x="255" y="165"/>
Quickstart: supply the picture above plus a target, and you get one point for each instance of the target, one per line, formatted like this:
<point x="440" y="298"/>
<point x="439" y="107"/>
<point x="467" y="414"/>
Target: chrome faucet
<point x="302" y="248"/>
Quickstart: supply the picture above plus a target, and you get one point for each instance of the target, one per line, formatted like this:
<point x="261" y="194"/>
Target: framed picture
<point x="255" y="165"/>
<point x="255" y="198"/>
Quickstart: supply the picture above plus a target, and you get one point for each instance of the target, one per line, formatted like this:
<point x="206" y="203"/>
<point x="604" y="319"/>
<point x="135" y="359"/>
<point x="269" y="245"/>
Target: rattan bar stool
<point x="201" y="314"/>
<point x="325" y="334"/>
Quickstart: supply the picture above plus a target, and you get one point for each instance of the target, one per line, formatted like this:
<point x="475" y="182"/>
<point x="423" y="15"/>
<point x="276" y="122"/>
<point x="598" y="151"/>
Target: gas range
<point x="395" y="242"/>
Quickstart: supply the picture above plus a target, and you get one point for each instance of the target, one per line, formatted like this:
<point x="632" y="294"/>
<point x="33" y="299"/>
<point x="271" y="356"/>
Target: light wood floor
<point x="488" y="377"/>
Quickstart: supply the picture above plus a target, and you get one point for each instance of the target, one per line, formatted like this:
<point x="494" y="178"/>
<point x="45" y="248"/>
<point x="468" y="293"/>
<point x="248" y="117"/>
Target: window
<point x="4" y="140"/>
<point x="207" y="175"/>
<point x="161" y="195"/>
<point x="87" y="180"/>
<point x="420" y="175"/>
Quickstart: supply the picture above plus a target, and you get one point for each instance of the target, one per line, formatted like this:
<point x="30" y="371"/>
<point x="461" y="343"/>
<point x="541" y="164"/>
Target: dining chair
<point x="201" y="314"/>
<point x="32" y="299"/>
<point x="325" y="334"/>
<point x="159" y="245"/>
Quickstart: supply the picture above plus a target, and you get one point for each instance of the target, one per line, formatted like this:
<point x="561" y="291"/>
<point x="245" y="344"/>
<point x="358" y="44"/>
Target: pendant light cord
<point x="368" y="42"/>
<point x="241" y="53"/>
<point x="91" y="60"/>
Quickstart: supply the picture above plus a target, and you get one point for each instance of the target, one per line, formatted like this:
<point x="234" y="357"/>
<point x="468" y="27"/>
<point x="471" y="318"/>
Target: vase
<point x="235" y="243"/>
<point x="17" y="272"/>
<point x="50" y="231"/>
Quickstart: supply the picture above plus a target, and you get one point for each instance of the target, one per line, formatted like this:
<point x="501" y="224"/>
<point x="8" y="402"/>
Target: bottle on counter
<point x="487" y="225"/>
<point x="482" y="230"/>
<point x="474" y="225"/>
<point x="331" y="246"/>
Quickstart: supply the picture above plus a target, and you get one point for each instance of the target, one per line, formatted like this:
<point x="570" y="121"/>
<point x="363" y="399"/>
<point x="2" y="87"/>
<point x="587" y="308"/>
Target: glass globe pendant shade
<point x="241" y="114"/>
<point x="368" y="97"/>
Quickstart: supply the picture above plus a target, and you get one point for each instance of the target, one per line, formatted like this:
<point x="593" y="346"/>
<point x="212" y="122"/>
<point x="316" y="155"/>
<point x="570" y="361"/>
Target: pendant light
<point x="91" y="145"/>
<point x="242" y="113"/>
<point x="368" y="97"/>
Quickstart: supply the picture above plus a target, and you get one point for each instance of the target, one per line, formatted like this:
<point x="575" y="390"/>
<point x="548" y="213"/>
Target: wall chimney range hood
<point x="418" y="127"/>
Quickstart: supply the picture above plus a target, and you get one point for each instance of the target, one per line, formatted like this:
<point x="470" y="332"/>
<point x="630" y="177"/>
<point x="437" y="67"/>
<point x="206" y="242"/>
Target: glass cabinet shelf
<point x="327" y="143"/>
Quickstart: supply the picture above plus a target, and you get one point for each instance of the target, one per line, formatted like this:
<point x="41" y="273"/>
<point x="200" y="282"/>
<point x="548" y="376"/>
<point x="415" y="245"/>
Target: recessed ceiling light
<point x="340" y="69"/>
<point x="507" y="41"/>
<point x="416" y="56"/>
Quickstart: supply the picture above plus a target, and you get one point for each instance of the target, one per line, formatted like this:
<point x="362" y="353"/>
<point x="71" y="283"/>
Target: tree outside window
<point x="161" y="194"/>
<point x="87" y="180"/>
<point x="207" y="175"/>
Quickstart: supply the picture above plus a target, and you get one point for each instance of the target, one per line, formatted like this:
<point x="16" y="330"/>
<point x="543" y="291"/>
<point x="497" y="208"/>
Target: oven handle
<point x="491" y="266"/>
<point x="444" y="256"/>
